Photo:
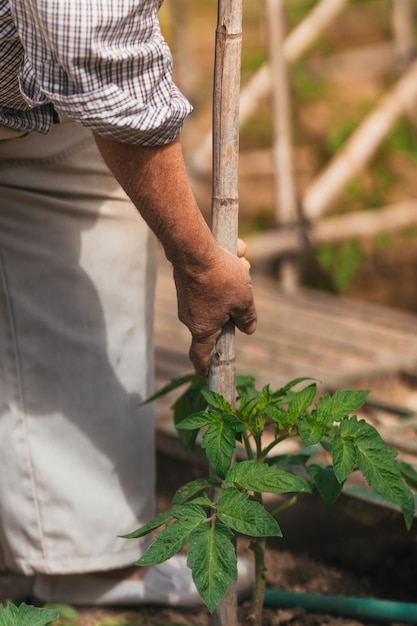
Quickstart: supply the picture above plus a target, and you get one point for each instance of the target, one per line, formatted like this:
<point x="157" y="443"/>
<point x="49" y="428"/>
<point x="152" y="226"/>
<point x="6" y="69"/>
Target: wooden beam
<point x="275" y="243"/>
<point x="361" y="147"/>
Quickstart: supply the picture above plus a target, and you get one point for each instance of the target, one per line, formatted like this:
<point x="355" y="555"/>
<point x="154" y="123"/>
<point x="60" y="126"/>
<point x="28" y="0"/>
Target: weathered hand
<point x="208" y="298"/>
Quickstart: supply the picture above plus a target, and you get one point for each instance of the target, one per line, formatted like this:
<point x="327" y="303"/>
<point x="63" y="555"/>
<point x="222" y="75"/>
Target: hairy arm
<point x="212" y="284"/>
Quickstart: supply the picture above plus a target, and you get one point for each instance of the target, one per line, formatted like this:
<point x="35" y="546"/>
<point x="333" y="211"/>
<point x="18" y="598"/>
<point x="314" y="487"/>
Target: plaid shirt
<point x="101" y="62"/>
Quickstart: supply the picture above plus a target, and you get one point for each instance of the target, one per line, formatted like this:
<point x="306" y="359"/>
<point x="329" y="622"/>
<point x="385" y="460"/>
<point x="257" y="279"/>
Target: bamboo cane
<point x="225" y="201"/>
<point x="225" y="207"/>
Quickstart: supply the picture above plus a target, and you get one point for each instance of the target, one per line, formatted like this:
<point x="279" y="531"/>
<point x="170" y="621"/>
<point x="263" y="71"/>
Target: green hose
<point x="382" y="610"/>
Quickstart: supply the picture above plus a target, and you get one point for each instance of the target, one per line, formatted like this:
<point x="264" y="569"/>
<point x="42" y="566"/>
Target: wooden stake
<point x="282" y="151"/>
<point x="225" y="207"/>
<point x="225" y="200"/>
<point x="403" y="12"/>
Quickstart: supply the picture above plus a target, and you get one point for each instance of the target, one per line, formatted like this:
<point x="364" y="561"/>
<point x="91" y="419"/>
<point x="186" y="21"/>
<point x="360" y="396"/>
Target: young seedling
<point x="206" y="525"/>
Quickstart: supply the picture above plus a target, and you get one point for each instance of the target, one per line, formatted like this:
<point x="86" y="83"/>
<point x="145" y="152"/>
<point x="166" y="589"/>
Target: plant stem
<point x="248" y="448"/>
<point x="258" y="548"/>
<point x="287" y="504"/>
<point x="272" y="445"/>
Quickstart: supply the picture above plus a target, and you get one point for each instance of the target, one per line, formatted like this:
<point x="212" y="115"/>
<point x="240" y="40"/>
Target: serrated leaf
<point x="190" y="489"/>
<point x="326" y="483"/>
<point x="310" y="430"/>
<point x="342" y="403"/>
<point x="196" y="420"/>
<point x="263" y="478"/>
<point x="203" y="500"/>
<point x="219" y="443"/>
<point x="217" y="401"/>
<point x="300" y="402"/>
<point x="171" y="540"/>
<point x="26" y="615"/>
<point x="213" y="562"/>
<point x="246" y="516"/>
<point x="154" y="523"/>
<point x="279" y="416"/>
<point x="343" y="455"/>
<point x="376" y="460"/>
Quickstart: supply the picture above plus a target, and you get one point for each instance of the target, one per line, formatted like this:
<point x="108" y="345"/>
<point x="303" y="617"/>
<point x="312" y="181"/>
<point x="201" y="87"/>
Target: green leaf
<point x="376" y="460"/>
<point x="300" y="402"/>
<point x="279" y="416"/>
<point x="154" y="523"/>
<point x="246" y="516"/>
<point x="245" y="384"/>
<point x="196" y="420"/>
<point x="342" y="403"/>
<point x="343" y="455"/>
<point x="203" y="500"/>
<point x="263" y="478"/>
<point x="326" y="482"/>
<point x="190" y="489"/>
<point x="310" y="430"/>
<point x="297" y="381"/>
<point x="219" y="442"/>
<point x="213" y="562"/>
<point x="26" y="615"/>
<point x="172" y="539"/>
<point x="217" y="401"/>
<point x="191" y="401"/>
<point x="194" y="379"/>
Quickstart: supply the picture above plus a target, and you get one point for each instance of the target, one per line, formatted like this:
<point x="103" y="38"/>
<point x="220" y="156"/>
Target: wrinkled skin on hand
<point x="207" y="300"/>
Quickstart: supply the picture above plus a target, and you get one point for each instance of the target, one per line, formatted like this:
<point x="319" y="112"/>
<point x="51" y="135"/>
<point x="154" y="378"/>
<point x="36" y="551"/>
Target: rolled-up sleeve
<point x="104" y="63"/>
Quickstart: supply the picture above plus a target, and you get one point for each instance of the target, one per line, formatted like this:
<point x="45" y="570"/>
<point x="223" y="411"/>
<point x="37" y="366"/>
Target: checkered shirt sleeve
<point x="104" y="63"/>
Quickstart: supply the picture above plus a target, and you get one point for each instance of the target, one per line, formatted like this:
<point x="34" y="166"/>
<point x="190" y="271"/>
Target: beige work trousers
<point x="77" y="270"/>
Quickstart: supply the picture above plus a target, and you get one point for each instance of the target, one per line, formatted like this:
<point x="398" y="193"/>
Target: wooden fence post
<point x="282" y="150"/>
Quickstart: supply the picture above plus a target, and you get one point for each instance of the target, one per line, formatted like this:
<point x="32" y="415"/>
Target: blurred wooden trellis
<point x="301" y="219"/>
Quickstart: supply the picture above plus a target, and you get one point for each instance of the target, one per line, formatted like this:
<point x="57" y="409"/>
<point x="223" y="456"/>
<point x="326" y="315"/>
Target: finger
<point x="201" y="352"/>
<point x="245" y="262"/>
<point x="241" y="248"/>
<point x="247" y="321"/>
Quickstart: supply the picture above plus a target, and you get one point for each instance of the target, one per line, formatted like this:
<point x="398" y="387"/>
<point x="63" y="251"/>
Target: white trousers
<point x="77" y="270"/>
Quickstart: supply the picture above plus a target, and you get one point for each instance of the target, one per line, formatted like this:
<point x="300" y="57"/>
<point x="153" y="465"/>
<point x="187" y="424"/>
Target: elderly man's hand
<point x="210" y="297"/>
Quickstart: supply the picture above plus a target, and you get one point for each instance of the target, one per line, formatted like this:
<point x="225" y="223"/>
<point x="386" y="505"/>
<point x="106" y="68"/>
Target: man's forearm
<point x="156" y="180"/>
<point x="213" y="285"/>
